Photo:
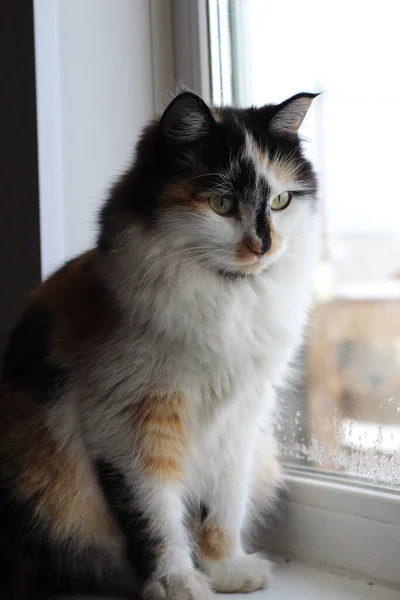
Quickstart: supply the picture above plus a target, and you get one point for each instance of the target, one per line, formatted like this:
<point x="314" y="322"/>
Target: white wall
<point x="95" y="91"/>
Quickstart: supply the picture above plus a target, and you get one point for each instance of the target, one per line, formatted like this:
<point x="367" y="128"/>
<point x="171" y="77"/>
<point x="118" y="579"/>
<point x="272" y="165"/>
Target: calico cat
<point x="138" y="387"/>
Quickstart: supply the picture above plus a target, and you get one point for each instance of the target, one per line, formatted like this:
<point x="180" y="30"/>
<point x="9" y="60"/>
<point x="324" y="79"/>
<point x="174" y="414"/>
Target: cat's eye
<point x="281" y="201"/>
<point x="222" y="205"/>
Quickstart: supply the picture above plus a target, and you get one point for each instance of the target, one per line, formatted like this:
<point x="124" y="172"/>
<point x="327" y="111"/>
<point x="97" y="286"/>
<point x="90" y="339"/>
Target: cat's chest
<point x="212" y="349"/>
<point x="250" y="335"/>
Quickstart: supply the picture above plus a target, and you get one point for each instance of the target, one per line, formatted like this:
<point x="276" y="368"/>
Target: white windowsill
<point x="295" y="581"/>
<point x="340" y="526"/>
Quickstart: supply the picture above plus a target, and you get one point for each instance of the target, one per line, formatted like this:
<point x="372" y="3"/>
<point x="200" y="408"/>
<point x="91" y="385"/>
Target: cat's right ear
<point x="187" y="119"/>
<point x="290" y="114"/>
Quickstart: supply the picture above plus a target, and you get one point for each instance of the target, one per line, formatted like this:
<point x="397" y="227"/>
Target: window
<point x="347" y="418"/>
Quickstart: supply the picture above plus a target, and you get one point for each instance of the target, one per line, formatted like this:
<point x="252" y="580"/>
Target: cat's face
<point x="230" y="188"/>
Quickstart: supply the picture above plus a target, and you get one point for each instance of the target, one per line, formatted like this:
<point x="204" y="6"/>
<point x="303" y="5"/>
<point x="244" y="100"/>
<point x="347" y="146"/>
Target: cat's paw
<point x="182" y="586"/>
<point x="241" y="574"/>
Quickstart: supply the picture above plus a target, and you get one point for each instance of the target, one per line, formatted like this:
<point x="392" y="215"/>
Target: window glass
<point x="346" y="416"/>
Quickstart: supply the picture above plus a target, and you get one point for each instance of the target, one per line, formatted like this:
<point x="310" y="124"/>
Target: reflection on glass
<point x="349" y="418"/>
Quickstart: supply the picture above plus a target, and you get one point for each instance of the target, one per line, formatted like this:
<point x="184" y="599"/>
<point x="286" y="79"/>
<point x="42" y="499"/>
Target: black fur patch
<point x="140" y="546"/>
<point x="262" y="228"/>
<point x="26" y="540"/>
<point x="204" y="511"/>
<point x="103" y="244"/>
<point x="216" y="161"/>
<point x="18" y="523"/>
<point x="27" y="364"/>
<point x="39" y="566"/>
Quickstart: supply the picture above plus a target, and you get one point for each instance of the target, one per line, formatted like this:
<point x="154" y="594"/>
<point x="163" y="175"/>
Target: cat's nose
<point x="255" y="245"/>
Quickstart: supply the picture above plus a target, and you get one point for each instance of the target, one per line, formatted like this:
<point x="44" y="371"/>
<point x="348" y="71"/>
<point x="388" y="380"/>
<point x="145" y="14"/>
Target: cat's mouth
<point x="235" y="273"/>
<point x="249" y="269"/>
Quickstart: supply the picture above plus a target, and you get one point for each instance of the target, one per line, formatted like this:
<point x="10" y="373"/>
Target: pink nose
<point x="255" y="246"/>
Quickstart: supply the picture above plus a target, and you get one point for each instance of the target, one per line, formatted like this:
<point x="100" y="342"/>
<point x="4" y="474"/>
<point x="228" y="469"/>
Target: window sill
<point x="340" y="526"/>
<point x="296" y="581"/>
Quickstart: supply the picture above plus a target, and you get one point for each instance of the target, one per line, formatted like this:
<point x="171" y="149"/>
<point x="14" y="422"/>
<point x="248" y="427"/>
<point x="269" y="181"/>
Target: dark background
<point x="19" y="186"/>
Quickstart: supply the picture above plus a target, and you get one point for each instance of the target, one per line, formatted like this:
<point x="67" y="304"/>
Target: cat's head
<point x="227" y="187"/>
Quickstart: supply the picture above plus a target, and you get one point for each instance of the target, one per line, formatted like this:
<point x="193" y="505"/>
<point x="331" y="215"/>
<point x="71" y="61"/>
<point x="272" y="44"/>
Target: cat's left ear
<point x="186" y="119"/>
<point x="290" y="114"/>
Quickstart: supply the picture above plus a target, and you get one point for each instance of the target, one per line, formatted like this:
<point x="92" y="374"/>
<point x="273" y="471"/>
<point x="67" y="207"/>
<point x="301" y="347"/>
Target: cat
<point x="138" y="387"/>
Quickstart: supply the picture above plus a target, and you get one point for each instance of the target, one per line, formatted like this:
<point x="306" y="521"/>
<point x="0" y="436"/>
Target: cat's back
<point x="66" y="317"/>
<point x="48" y="493"/>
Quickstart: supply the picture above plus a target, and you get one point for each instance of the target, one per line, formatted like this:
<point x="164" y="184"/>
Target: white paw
<point x="245" y="573"/>
<point x="182" y="586"/>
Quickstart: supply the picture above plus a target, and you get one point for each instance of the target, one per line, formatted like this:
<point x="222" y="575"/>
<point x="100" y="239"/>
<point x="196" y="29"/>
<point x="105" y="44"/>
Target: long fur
<point x="138" y="389"/>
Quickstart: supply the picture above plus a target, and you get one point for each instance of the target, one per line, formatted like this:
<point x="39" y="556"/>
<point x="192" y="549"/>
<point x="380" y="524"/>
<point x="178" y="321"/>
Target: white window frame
<point x="329" y="521"/>
<point x="66" y="222"/>
<point x="341" y="524"/>
<point x="191" y="45"/>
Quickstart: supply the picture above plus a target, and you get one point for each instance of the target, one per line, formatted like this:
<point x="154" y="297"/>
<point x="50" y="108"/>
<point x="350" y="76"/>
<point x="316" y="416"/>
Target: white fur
<point x="226" y="345"/>
<point x="242" y="573"/>
<point x="186" y="586"/>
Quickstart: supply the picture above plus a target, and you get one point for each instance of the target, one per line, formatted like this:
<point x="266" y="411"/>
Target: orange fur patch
<point x="62" y="487"/>
<point x="263" y="158"/>
<point x="184" y="195"/>
<point x="214" y="543"/>
<point x="282" y="168"/>
<point x="244" y="254"/>
<point x="65" y="492"/>
<point x="160" y="418"/>
<point x="276" y="240"/>
<point x="81" y="307"/>
<point x="177" y="194"/>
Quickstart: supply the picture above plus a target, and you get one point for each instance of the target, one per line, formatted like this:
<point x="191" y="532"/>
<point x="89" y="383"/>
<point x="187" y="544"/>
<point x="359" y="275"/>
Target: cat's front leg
<point x="220" y="551"/>
<point x="145" y="493"/>
<point x="150" y="513"/>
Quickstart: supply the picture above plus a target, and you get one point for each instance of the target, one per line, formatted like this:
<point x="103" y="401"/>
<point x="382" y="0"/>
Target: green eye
<point x="222" y="205"/>
<point x="281" y="201"/>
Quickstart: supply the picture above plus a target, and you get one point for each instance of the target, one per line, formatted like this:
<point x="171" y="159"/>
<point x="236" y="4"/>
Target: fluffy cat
<point x="138" y="387"/>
